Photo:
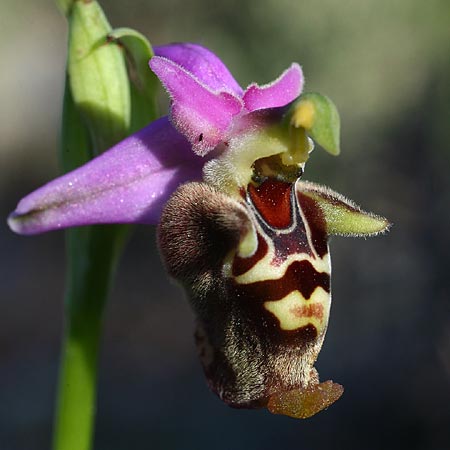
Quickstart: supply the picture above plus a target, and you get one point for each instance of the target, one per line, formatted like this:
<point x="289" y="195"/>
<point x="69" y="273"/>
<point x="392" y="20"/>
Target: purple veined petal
<point x="203" y="64"/>
<point x="129" y="183"/>
<point x="202" y="115"/>
<point x="286" y="88"/>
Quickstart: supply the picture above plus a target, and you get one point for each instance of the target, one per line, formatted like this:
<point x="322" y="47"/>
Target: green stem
<point x="75" y="410"/>
<point x="77" y="390"/>
<point x="93" y="254"/>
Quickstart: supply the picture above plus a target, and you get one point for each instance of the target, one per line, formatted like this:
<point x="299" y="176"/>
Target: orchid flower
<point x="244" y="236"/>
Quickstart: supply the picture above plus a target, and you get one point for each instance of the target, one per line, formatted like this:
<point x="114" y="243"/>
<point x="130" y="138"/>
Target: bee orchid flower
<point x="245" y="237"/>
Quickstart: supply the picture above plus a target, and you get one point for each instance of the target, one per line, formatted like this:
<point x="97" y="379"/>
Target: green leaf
<point x="144" y="83"/>
<point x="318" y="115"/>
<point x="341" y="215"/>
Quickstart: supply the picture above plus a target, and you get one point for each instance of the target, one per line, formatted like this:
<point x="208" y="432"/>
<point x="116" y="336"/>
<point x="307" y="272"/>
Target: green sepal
<point x="318" y="115"/>
<point x="98" y="75"/>
<point x="144" y="84"/>
<point x="341" y="215"/>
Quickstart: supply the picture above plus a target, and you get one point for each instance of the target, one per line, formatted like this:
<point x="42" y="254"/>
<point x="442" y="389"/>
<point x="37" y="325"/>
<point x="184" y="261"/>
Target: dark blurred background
<point x="386" y="64"/>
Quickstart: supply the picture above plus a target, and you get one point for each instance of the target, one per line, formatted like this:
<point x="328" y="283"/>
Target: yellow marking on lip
<point x="294" y="311"/>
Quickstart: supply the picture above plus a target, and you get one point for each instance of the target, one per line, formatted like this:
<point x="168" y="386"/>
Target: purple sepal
<point x="129" y="183"/>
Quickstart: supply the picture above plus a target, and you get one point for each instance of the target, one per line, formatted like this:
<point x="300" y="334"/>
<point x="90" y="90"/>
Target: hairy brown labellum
<point x="257" y="273"/>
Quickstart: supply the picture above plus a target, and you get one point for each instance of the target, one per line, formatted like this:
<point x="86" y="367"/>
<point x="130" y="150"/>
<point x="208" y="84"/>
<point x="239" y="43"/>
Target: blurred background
<point x="386" y="64"/>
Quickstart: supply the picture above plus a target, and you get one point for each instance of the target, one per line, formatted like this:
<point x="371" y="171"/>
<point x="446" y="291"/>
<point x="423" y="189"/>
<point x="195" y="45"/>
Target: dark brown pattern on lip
<point x="316" y="222"/>
<point x="272" y="199"/>
<point x="300" y="276"/>
<point x="288" y="244"/>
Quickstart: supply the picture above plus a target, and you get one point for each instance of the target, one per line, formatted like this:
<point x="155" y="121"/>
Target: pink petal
<point x="129" y="183"/>
<point x="200" y="114"/>
<point x="202" y="64"/>
<point x="286" y="88"/>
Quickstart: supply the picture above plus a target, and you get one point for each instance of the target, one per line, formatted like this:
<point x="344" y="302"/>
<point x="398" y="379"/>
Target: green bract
<point x="98" y="76"/>
<point x="144" y="83"/>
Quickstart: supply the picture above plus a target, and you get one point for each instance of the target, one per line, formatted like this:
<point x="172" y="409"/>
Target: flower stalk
<point x="93" y="253"/>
